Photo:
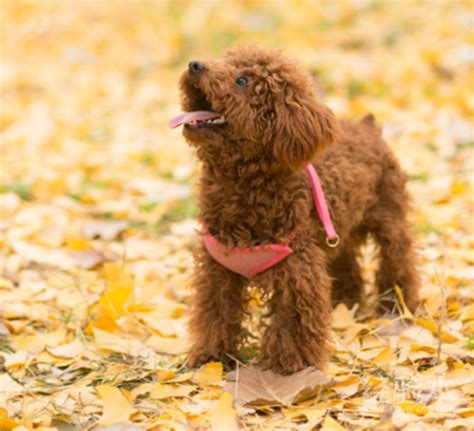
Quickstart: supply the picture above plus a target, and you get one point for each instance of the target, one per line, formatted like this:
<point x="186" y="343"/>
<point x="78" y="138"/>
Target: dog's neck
<point x="245" y="170"/>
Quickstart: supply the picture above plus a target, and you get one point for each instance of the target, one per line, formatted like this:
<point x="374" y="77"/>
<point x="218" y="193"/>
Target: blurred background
<point x="96" y="197"/>
<point x="87" y="87"/>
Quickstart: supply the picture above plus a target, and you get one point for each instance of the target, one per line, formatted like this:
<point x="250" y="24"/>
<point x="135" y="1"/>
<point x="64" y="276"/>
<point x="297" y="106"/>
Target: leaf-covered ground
<point x="98" y="220"/>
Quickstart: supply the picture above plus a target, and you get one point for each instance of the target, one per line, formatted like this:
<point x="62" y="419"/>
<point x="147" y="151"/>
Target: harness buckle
<point x="333" y="243"/>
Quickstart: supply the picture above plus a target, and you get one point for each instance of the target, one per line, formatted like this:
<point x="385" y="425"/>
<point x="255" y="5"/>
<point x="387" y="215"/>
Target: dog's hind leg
<point x="390" y="227"/>
<point x="348" y="284"/>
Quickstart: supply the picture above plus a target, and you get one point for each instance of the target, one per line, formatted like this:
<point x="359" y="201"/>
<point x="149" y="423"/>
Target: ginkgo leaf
<point x="446" y="337"/>
<point x="70" y="350"/>
<point x="347" y="387"/>
<point x="342" y="317"/>
<point x="115" y="343"/>
<point x="412" y="407"/>
<point x="169" y="346"/>
<point x="161" y="391"/>
<point x="209" y="374"/>
<point x="116" y="408"/>
<point x="329" y="424"/>
<point x="12" y="360"/>
<point x="6" y="423"/>
<point x="9" y="388"/>
<point x="386" y="357"/>
<point x="119" y="288"/>
<point x="223" y="416"/>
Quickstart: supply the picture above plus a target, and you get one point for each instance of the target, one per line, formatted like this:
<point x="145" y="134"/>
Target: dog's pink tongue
<point x="187" y="117"/>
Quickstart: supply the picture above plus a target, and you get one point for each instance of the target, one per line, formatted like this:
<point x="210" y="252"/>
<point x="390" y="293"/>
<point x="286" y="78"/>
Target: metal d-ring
<point x="333" y="243"/>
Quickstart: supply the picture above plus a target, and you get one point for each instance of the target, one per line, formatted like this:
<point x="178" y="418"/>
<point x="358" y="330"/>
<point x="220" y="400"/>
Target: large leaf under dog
<point x="254" y="387"/>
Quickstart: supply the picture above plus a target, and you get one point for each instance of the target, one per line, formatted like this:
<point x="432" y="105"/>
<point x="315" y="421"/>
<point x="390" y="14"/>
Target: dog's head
<point x="255" y="102"/>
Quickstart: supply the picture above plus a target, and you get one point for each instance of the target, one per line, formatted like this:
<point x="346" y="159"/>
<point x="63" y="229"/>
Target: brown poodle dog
<point x="256" y="122"/>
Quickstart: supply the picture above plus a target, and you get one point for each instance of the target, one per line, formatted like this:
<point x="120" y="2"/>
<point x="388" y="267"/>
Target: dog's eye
<point x="242" y="81"/>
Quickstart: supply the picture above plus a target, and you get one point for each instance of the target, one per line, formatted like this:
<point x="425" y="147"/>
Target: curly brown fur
<point x="253" y="191"/>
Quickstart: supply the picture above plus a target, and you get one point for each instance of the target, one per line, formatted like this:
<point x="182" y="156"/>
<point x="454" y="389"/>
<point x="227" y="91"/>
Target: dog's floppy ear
<point x="304" y="128"/>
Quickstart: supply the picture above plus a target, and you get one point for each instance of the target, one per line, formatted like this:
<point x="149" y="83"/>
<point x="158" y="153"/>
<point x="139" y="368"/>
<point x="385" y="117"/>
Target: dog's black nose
<point x="195" y="67"/>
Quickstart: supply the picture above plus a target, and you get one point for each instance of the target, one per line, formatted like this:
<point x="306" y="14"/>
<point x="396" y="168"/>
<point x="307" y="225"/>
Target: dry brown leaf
<point x="254" y="387"/>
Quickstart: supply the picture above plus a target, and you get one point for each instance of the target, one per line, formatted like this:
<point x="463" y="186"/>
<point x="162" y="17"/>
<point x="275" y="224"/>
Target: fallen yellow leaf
<point x="69" y="350"/>
<point x="446" y="337"/>
<point x="209" y="374"/>
<point x="386" y="357"/>
<point x="116" y="408"/>
<point x="6" y="424"/>
<point x="415" y="408"/>
<point x="342" y="317"/>
<point x="107" y="341"/>
<point x="78" y="244"/>
<point x="118" y="291"/>
<point x="330" y="424"/>
<point x="223" y="417"/>
<point x="168" y="346"/>
<point x="161" y="391"/>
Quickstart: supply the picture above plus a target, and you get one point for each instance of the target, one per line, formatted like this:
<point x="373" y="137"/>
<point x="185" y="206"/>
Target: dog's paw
<point x="283" y="363"/>
<point x="195" y="360"/>
<point x="281" y="368"/>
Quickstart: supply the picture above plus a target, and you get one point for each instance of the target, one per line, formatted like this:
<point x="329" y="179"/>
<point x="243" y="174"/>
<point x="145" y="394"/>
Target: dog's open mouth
<point x="197" y="119"/>
<point x="199" y="109"/>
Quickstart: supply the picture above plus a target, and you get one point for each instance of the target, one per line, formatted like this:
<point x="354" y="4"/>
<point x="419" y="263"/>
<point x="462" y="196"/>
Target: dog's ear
<point x="304" y="128"/>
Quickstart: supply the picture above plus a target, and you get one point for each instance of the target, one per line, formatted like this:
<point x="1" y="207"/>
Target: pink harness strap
<point x="253" y="260"/>
<point x="332" y="239"/>
<point x="246" y="261"/>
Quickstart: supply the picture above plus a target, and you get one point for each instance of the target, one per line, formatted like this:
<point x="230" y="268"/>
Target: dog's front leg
<point x="299" y="312"/>
<point x="217" y="308"/>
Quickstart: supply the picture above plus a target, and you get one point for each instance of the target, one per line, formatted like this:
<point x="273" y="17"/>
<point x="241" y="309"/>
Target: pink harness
<point x="251" y="261"/>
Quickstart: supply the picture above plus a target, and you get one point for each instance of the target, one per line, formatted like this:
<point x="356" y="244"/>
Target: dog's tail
<point x="369" y="121"/>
